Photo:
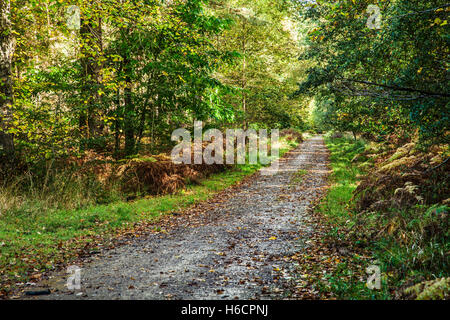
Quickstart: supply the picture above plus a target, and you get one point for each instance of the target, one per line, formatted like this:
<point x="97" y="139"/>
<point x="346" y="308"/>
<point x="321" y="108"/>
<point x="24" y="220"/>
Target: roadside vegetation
<point x="389" y="192"/>
<point x="377" y="210"/>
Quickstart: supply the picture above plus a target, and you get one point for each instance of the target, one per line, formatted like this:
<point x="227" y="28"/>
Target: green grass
<point x="345" y="280"/>
<point x="418" y="256"/>
<point x="343" y="177"/>
<point x="34" y="241"/>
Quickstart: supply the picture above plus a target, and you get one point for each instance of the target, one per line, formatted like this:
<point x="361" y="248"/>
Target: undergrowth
<point x="410" y="244"/>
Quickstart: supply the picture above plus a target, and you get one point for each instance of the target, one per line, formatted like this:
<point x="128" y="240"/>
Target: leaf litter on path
<point x="244" y="243"/>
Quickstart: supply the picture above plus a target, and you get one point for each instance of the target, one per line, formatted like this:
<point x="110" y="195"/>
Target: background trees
<point x="391" y="78"/>
<point x="136" y="70"/>
<point x="266" y="35"/>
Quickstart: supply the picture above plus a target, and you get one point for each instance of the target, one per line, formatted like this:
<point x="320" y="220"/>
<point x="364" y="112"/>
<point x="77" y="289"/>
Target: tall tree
<point x="91" y="63"/>
<point x="264" y="34"/>
<point x="7" y="46"/>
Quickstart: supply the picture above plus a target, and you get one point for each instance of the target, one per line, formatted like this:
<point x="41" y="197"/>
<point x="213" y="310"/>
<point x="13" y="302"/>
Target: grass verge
<point x="347" y="278"/>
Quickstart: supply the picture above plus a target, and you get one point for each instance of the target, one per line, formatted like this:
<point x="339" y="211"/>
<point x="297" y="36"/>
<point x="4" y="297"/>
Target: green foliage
<point x="438" y="289"/>
<point x="377" y="82"/>
<point x="137" y="70"/>
<point x="266" y="36"/>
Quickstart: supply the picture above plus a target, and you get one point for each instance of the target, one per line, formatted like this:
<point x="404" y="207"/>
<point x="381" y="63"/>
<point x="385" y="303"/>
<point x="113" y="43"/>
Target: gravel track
<point x="236" y="248"/>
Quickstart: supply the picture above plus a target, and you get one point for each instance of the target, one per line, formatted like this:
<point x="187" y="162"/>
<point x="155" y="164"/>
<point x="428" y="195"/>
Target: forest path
<point x="235" y="248"/>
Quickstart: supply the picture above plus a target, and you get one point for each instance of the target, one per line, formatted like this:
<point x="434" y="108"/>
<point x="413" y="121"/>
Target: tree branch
<point x="397" y="88"/>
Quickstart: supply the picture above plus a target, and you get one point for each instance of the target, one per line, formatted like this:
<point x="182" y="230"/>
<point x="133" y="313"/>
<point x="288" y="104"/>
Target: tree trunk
<point x="91" y="37"/>
<point x="244" y="70"/>
<point x="117" y="126"/>
<point x="128" y="116"/>
<point x="7" y="47"/>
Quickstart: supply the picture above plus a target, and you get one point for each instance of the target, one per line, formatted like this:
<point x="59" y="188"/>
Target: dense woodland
<point x="379" y="82"/>
<point x="136" y="70"/>
<point x="85" y="110"/>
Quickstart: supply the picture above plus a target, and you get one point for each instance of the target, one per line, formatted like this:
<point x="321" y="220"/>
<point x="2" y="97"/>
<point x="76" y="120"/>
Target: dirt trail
<point x="235" y="249"/>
